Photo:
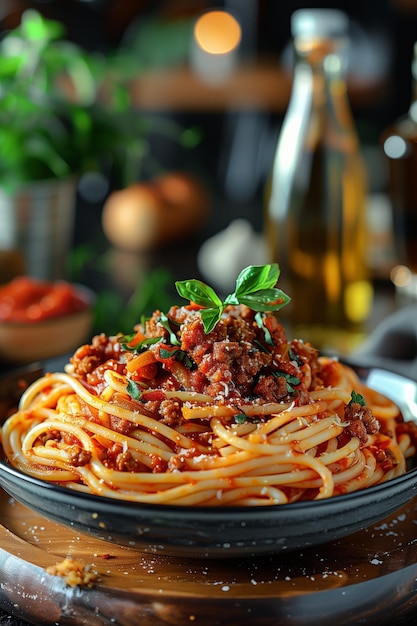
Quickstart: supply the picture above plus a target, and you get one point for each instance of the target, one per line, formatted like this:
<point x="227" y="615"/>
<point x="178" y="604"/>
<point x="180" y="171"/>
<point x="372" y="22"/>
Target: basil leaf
<point x="198" y="292"/>
<point x="133" y="390"/>
<point x="185" y="358"/>
<point x="295" y="357"/>
<point x="167" y="354"/>
<point x="255" y="288"/>
<point x="139" y="347"/>
<point x="265" y="300"/>
<point x="210" y="317"/>
<point x="259" y="318"/>
<point x="293" y="380"/>
<point x="179" y="355"/>
<point x="255" y="278"/>
<point x="125" y="339"/>
<point x="166" y="323"/>
<point x="357" y="398"/>
<point x="290" y="380"/>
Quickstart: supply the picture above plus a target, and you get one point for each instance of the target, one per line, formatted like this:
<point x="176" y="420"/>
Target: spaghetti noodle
<point x="235" y="416"/>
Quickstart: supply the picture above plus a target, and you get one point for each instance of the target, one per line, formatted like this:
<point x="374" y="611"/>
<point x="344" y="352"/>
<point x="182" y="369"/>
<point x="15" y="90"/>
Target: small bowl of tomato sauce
<point x="43" y="319"/>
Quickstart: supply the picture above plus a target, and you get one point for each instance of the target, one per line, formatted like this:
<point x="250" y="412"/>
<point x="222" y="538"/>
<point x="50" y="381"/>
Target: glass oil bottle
<point x="315" y="221"/>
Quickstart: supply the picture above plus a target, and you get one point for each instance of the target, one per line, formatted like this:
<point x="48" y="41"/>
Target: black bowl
<point x="212" y="532"/>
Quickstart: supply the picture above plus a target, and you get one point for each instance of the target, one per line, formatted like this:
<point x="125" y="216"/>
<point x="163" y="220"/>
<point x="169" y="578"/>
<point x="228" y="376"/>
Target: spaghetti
<point x="235" y="416"/>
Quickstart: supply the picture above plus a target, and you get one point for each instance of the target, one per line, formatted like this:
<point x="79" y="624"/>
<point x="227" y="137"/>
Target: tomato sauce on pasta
<point x="236" y="416"/>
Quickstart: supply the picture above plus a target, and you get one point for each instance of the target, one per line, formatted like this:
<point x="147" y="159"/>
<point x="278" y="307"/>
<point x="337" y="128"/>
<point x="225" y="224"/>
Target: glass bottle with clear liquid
<point x="315" y="221"/>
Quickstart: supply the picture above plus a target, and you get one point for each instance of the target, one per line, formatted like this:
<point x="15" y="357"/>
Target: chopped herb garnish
<point x="126" y="338"/>
<point x="260" y="346"/>
<point x="295" y="357"/>
<point x="133" y="390"/>
<point x="165" y="353"/>
<point x="240" y="418"/>
<point x="357" y="398"/>
<point x="255" y="288"/>
<point x="259" y="318"/>
<point x="179" y="355"/>
<point x="140" y="346"/>
<point x="167" y="323"/>
<point x="291" y="380"/>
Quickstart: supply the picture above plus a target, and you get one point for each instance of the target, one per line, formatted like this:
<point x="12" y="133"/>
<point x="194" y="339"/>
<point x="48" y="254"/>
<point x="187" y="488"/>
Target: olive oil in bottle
<point x="315" y="221"/>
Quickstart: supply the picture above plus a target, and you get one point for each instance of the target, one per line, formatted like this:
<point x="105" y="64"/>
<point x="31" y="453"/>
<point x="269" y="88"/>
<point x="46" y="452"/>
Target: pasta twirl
<point x="235" y="416"/>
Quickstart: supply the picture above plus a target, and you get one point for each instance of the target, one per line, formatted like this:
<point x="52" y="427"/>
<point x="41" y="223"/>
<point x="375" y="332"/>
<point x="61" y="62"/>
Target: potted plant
<point x="63" y="111"/>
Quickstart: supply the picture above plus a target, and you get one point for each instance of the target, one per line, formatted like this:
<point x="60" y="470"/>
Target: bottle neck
<point x="322" y="55"/>
<point x="320" y="79"/>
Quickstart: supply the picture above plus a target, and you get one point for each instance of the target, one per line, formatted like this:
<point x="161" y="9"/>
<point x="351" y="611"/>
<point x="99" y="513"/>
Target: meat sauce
<point x="238" y="362"/>
<point x="231" y="363"/>
<point x="26" y="300"/>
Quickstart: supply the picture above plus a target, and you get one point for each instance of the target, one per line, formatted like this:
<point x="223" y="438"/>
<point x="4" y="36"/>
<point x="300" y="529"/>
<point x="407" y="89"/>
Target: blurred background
<point x="216" y="117"/>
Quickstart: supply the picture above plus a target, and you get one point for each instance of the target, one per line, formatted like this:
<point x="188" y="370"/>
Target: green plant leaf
<point x="36" y="28"/>
<point x="45" y="82"/>
<point x="255" y="278"/>
<point x="265" y="300"/>
<point x="357" y="398"/>
<point x="255" y="288"/>
<point x="200" y="293"/>
<point x="210" y="317"/>
<point x="133" y="390"/>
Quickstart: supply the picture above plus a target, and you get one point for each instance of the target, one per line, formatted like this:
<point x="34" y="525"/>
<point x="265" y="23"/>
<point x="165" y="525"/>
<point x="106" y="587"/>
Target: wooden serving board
<point x="367" y="578"/>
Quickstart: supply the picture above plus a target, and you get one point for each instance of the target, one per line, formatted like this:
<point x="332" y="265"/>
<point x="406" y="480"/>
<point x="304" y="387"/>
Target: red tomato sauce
<point x="25" y="299"/>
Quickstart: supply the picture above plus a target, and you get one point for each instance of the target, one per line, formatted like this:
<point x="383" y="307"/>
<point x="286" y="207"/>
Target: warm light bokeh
<point x="217" y="32"/>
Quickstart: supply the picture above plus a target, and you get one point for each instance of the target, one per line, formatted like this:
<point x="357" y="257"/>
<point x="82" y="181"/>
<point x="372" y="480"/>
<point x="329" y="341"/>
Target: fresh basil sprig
<point x="255" y="288"/>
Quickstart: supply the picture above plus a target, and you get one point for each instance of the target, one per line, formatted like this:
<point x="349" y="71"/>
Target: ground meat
<point x="304" y="353"/>
<point x="239" y="329"/>
<point x="226" y="356"/>
<point x="78" y="456"/>
<point x="235" y="361"/>
<point x="361" y="421"/>
<point x="180" y="314"/>
<point x="95" y="378"/>
<point x="227" y="351"/>
<point x="195" y="341"/>
<point x="152" y="406"/>
<point x="49" y="435"/>
<point x="170" y="411"/>
<point x="271" y="388"/>
<point x="122" y="426"/>
<point x="126" y="463"/>
<point x="386" y="459"/>
<point x="303" y="397"/>
<point x="276" y="329"/>
<point x="102" y="350"/>
<point x="154" y="327"/>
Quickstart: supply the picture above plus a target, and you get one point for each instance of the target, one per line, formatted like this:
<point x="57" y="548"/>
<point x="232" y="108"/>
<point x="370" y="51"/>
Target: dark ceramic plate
<point x="223" y="532"/>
